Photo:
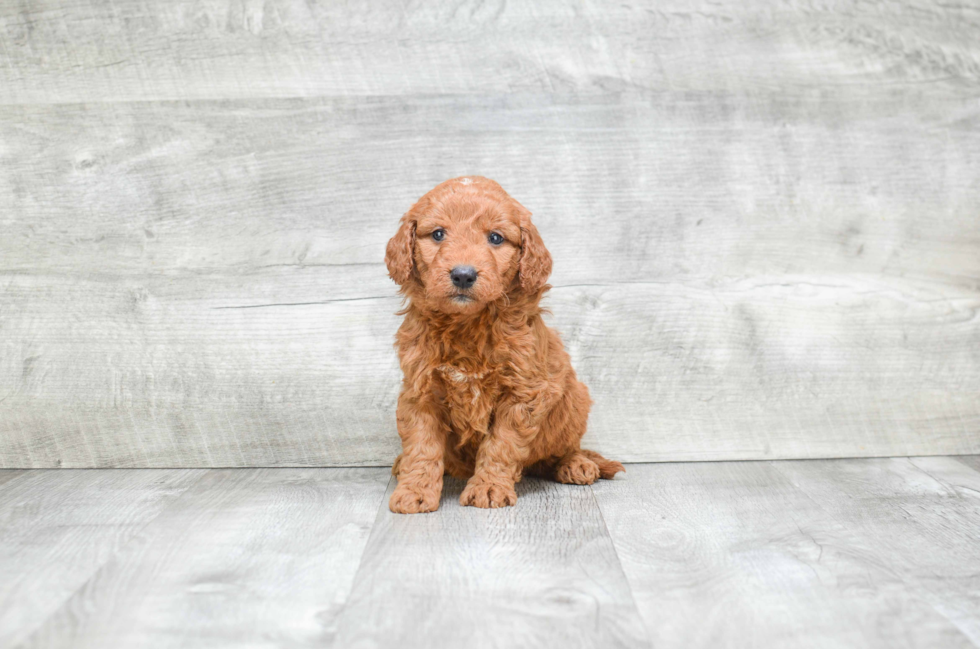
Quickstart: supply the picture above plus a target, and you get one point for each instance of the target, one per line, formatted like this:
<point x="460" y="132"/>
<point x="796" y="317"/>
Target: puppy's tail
<point x="607" y="468"/>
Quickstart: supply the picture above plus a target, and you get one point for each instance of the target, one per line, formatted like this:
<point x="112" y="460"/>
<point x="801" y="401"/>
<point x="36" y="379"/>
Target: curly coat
<point x="489" y="392"/>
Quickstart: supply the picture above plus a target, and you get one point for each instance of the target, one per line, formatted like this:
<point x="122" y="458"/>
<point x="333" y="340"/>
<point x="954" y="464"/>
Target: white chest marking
<point x="457" y="375"/>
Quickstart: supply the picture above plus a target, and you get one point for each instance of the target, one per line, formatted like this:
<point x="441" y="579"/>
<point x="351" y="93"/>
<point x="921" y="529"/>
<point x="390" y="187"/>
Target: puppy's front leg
<point x="420" y="466"/>
<point x="499" y="462"/>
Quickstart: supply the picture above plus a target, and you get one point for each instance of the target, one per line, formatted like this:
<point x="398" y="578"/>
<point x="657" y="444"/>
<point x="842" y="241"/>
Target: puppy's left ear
<point x="534" y="266"/>
<point x="400" y="253"/>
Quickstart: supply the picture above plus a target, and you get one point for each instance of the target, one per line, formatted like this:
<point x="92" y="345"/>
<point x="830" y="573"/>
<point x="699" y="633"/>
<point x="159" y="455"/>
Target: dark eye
<point x="439" y="234"/>
<point x="496" y="238"/>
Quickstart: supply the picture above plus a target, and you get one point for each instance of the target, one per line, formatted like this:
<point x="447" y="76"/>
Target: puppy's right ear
<point x="400" y="254"/>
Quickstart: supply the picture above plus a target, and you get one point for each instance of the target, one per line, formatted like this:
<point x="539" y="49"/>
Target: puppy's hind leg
<point x="575" y="468"/>
<point x="607" y="468"/>
<point x="584" y="467"/>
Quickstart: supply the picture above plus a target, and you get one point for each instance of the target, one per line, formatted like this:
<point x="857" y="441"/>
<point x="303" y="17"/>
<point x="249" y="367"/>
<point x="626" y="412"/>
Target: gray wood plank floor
<point x="257" y="557"/>
<point x="758" y="562"/>
<point x="821" y="553"/>
<point x="58" y="528"/>
<point x="921" y="515"/>
<point x="544" y="574"/>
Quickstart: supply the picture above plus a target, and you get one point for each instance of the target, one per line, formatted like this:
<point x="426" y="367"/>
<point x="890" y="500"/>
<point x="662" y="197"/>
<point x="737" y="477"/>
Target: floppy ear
<point x="399" y="255"/>
<point x="534" y="266"/>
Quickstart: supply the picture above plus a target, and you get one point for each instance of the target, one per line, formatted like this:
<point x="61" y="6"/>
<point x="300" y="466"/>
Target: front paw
<point x="487" y="495"/>
<point x="414" y="498"/>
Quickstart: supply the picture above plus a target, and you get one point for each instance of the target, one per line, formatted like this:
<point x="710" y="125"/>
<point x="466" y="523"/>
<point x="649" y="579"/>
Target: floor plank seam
<point x="619" y="562"/>
<point x="382" y="505"/>
<point x="942" y="483"/>
<point x="14" y="479"/>
<point x="959" y="459"/>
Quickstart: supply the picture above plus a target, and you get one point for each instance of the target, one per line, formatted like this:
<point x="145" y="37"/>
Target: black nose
<point x="463" y="276"/>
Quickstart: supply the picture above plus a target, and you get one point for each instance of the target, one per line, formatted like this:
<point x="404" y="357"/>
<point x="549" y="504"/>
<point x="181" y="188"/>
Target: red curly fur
<point x="489" y="392"/>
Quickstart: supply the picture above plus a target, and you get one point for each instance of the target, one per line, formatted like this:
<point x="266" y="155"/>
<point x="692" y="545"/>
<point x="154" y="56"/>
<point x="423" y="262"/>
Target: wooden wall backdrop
<point x="765" y="218"/>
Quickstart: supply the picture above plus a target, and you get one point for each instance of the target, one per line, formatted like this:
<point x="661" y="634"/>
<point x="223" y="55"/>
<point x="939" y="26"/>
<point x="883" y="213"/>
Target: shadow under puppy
<point x="489" y="392"/>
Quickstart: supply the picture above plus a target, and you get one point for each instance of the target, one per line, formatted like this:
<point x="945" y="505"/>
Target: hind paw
<point x="577" y="469"/>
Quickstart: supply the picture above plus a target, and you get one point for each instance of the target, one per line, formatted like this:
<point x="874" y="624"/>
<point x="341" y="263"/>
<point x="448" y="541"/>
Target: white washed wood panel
<point x="131" y="50"/>
<point x="173" y="371"/>
<point x="737" y="277"/>
<point x="165" y="370"/>
<point x="640" y="186"/>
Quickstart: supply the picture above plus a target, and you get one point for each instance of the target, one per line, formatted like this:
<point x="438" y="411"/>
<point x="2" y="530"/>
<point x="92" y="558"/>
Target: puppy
<point x="489" y="392"/>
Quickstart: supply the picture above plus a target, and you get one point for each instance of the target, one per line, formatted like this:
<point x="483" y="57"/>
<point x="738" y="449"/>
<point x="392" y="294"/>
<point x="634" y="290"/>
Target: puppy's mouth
<point x="461" y="298"/>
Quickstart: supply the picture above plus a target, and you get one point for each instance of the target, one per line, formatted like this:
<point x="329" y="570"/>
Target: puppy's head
<point x="465" y="244"/>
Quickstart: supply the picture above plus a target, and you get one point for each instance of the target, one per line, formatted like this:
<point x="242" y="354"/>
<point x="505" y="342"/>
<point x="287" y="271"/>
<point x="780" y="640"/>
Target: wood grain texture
<point x="159" y="376"/>
<point x="542" y="574"/>
<point x="922" y="514"/>
<point x="58" y="528"/>
<point x="734" y="555"/>
<point x="628" y="187"/>
<point x="869" y="553"/>
<point x="56" y="51"/>
<point x="736" y="277"/>
<point x="763" y="220"/>
<point x="257" y="558"/>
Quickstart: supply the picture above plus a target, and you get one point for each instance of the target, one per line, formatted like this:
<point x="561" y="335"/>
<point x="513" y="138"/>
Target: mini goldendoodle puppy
<point x="489" y="392"/>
